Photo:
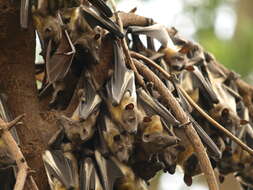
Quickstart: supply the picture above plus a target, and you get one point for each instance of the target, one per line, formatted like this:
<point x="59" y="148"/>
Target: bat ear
<point x="129" y="106"/>
<point x="147" y="119"/>
<point x="185" y="49"/>
<point x="188" y="179"/>
<point x="243" y="122"/>
<point x="97" y="36"/>
<point x="225" y="113"/>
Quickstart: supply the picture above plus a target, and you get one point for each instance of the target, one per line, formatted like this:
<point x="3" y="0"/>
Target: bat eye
<point x="129" y="106"/>
<point x="116" y="138"/>
<point x="146" y="136"/>
<point x="147" y="119"/>
<point x="48" y="29"/>
<point x="124" y="133"/>
<point x="84" y="131"/>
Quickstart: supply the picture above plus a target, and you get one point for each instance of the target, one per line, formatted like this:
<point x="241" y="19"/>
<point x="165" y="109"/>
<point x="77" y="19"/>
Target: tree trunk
<point x="17" y="55"/>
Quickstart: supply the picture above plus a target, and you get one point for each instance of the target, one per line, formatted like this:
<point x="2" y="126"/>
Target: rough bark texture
<point x="17" y="81"/>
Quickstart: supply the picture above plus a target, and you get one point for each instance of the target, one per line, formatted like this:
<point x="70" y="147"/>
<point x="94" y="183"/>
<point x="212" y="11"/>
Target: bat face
<point x="120" y="144"/>
<point x="79" y="131"/>
<point x="61" y="170"/>
<point x="48" y="27"/>
<point x="125" y="114"/>
<point x="153" y="135"/>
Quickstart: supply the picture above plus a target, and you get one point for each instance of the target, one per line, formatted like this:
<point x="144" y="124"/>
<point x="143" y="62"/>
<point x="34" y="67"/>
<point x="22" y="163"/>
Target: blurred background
<point x="224" y="28"/>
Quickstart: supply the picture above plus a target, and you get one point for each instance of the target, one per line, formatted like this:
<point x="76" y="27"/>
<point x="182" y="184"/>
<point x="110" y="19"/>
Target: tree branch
<point x="189" y="99"/>
<point x="17" y="155"/>
<point x="181" y="116"/>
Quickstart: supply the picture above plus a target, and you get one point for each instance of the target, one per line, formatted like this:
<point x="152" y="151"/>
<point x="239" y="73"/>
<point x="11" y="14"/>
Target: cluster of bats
<point x="121" y="134"/>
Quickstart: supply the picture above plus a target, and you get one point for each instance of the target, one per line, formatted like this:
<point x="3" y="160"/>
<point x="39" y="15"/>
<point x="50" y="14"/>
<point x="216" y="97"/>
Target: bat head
<point x="120" y="144"/>
<point x="126" y="113"/>
<point x="48" y="27"/>
<point x="79" y="131"/>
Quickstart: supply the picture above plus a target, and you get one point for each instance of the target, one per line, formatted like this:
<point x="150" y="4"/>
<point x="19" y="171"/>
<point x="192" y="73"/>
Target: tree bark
<point x="17" y="81"/>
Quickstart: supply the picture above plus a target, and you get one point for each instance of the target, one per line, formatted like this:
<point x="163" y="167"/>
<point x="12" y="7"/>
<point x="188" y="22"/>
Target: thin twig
<point x="181" y="116"/>
<point x="17" y="155"/>
<point x="125" y="48"/>
<point x="201" y="111"/>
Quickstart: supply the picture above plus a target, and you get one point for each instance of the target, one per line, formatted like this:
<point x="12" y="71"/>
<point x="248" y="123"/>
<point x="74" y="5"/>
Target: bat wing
<point x="59" y="63"/>
<point x="102" y="7"/>
<point x="7" y="116"/>
<point x="205" y="85"/>
<point x="87" y="174"/>
<point x="60" y="169"/>
<point x="89" y="102"/>
<point x="152" y="106"/>
<point x="156" y="31"/>
<point x="24" y="13"/>
<point x="122" y="79"/>
<point x="108" y="171"/>
<point x="206" y="139"/>
<point x="94" y="20"/>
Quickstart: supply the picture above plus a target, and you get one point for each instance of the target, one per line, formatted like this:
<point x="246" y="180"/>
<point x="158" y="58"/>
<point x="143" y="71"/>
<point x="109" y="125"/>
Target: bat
<point x="88" y="175"/>
<point x="121" y="94"/>
<point x="211" y="146"/>
<point x="93" y="19"/>
<point x="122" y="79"/>
<point x="108" y="171"/>
<point x="24" y="11"/>
<point x="169" y="158"/>
<point x="89" y="103"/>
<point x="59" y="63"/>
<point x="79" y="131"/>
<point x="61" y="170"/>
<point x="195" y="84"/>
<point x="152" y="106"/>
<point x="154" y="137"/>
<point x="156" y="31"/>
<point x="128" y="180"/>
<point x="102" y="7"/>
<point x="119" y="144"/>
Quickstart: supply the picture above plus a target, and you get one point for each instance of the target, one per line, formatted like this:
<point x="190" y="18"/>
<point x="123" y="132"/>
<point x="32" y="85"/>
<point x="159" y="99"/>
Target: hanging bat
<point x="108" y="171"/>
<point x="152" y="106"/>
<point x="24" y="11"/>
<point x="88" y="175"/>
<point x="89" y="103"/>
<point x="79" y="131"/>
<point x="93" y="19"/>
<point x="121" y="94"/>
<point x="122" y="79"/>
<point x="195" y="84"/>
<point x="211" y="146"/>
<point x="120" y="144"/>
<point x="153" y="136"/>
<point x="172" y="54"/>
<point x="59" y="63"/>
<point x="169" y="158"/>
<point x="61" y="170"/>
